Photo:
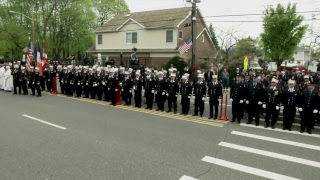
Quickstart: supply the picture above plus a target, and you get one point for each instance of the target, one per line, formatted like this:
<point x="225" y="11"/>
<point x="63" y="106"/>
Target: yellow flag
<point x="246" y="63"/>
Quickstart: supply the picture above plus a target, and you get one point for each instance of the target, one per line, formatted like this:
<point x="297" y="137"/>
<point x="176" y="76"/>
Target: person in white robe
<point x="8" y="80"/>
<point x="2" y="73"/>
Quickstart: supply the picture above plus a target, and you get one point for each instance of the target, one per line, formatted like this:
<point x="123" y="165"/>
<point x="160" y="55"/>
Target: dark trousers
<point x="70" y="89"/>
<point x="214" y="103"/>
<point x="36" y="87"/>
<point x="149" y="99"/>
<point x="185" y="103"/>
<point x="78" y="90"/>
<point x="24" y="87"/>
<point x="160" y="100"/>
<point x="271" y="111"/>
<point x="16" y="85"/>
<point x="113" y="96"/>
<point x="172" y="100"/>
<point x="253" y="112"/>
<point x="61" y="87"/>
<point x="307" y="119"/>
<point x="198" y="105"/>
<point x="99" y="91"/>
<point x="289" y="112"/>
<point x="92" y="92"/>
<point x="42" y="84"/>
<point x="49" y="85"/>
<point x="236" y="110"/>
<point x="107" y="94"/>
<point x="137" y="98"/>
<point x="86" y="91"/>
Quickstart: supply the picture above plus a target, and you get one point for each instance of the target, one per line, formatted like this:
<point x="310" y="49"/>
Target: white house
<point x="157" y="35"/>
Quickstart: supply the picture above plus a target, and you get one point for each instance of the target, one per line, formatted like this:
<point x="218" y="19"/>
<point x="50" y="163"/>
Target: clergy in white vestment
<point x="2" y="73"/>
<point x="8" y="84"/>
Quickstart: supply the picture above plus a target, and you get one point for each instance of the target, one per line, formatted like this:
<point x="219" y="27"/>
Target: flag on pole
<point x="246" y="63"/>
<point x="39" y="61"/>
<point x="44" y="56"/>
<point x="186" y="46"/>
<point x="29" y="57"/>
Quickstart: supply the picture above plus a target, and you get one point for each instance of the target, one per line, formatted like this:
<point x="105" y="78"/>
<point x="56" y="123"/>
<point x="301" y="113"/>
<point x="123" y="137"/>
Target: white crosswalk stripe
<point x="270" y="154"/>
<point x="276" y="140"/>
<point x="184" y="177"/>
<point x="280" y="158"/>
<point x="280" y="130"/>
<point x="247" y="169"/>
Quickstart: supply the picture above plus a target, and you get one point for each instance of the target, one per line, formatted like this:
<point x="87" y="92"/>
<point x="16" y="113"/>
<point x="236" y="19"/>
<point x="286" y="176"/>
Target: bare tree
<point x="227" y="40"/>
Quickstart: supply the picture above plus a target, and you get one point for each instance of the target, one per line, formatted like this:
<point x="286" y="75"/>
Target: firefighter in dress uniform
<point x="254" y="99"/>
<point x="172" y="93"/>
<point x="199" y="91"/>
<point x="237" y="97"/>
<point x="309" y="107"/>
<point x="161" y="85"/>
<point x="214" y="93"/>
<point x="126" y="88"/>
<point x="137" y="88"/>
<point x="272" y="101"/>
<point x="289" y="101"/>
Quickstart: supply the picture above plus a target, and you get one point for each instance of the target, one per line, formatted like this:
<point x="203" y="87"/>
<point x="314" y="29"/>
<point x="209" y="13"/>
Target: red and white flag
<point x="44" y="56"/>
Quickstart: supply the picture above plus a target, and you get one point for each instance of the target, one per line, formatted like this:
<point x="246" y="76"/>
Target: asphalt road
<point x="54" y="137"/>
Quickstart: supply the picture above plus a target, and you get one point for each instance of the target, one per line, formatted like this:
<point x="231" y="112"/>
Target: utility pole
<point x="194" y="40"/>
<point x="311" y="35"/>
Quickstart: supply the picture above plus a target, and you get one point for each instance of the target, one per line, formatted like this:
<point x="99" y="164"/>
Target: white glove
<point x="152" y="91"/>
<point x="192" y="97"/>
<point x="231" y="99"/>
<point x="300" y="109"/>
<point x="163" y="93"/>
<point x="277" y="107"/>
<point x="315" y="111"/>
<point x="120" y="84"/>
<point x="189" y="97"/>
<point x="121" y="90"/>
<point x="244" y="100"/>
<point x="264" y="106"/>
<point x="259" y="102"/>
<point x="241" y="101"/>
<point x="143" y="90"/>
<point x="116" y="90"/>
<point x="103" y="83"/>
<point x="281" y="107"/>
<point x="203" y="98"/>
<point x="130" y="91"/>
<point x="247" y="102"/>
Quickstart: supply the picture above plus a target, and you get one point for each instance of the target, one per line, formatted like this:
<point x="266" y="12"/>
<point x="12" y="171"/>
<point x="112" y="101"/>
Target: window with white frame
<point x="169" y="36"/>
<point x="131" y="38"/>
<point x="180" y="35"/>
<point x="202" y="37"/>
<point x="99" y="38"/>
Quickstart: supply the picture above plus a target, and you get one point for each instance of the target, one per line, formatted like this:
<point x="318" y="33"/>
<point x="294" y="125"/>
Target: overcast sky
<point x="211" y="8"/>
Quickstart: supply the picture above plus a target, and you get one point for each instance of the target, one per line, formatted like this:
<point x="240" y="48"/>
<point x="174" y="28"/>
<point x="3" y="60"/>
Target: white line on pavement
<point x="184" y="177"/>
<point x="281" y="141"/>
<point x="247" y="169"/>
<point x="44" y="122"/>
<point x="294" y="124"/>
<point x="280" y="130"/>
<point x="270" y="154"/>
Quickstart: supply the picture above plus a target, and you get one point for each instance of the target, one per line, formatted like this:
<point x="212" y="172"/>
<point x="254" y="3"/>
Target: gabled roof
<point x="164" y="18"/>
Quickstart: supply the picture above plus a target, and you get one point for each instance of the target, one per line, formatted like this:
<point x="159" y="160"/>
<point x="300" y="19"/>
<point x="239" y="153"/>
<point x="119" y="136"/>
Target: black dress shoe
<point x="289" y="129"/>
<point x="266" y="125"/>
<point x="181" y="113"/>
<point x="248" y="122"/>
<point x="309" y="132"/>
<point x="168" y="111"/>
<point x="209" y="117"/>
<point x="284" y="128"/>
<point x="157" y="109"/>
<point x="232" y="120"/>
<point x="257" y="124"/>
<point x="174" y="112"/>
<point x="195" y="115"/>
<point x="301" y="131"/>
<point x="272" y="126"/>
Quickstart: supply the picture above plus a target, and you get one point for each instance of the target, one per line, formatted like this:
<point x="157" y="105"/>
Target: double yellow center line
<point x="188" y="118"/>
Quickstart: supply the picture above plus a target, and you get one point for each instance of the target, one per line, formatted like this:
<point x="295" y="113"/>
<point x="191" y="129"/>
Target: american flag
<point x="186" y="46"/>
<point x="29" y="57"/>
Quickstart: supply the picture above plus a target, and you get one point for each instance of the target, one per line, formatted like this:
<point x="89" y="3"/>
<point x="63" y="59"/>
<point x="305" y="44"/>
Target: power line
<point x="260" y="14"/>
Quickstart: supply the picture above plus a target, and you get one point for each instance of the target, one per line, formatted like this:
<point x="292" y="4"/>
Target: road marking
<point x="247" y="169"/>
<point x="271" y="154"/>
<point x="44" y="122"/>
<point x="294" y="124"/>
<point x="184" y="177"/>
<point x="276" y="140"/>
<point x="280" y="130"/>
<point x="188" y="118"/>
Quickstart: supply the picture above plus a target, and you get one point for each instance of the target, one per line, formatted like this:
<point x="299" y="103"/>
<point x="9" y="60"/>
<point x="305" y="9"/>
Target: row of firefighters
<point x="247" y="95"/>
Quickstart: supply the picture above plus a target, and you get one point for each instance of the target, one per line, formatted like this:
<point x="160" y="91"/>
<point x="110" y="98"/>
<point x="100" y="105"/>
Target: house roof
<point x="163" y="18"/>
